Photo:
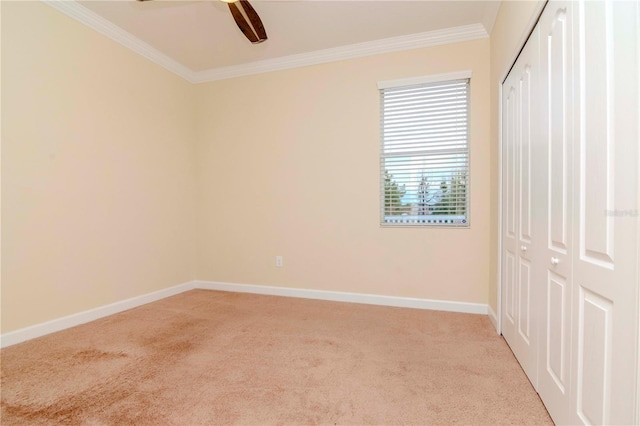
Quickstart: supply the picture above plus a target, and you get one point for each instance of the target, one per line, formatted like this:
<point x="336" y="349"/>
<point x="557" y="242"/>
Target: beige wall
<point x="288" y="164"/>
<point x="513" y="23"/>
<point x="98" y="170"/>
<point x="104" y="191"/>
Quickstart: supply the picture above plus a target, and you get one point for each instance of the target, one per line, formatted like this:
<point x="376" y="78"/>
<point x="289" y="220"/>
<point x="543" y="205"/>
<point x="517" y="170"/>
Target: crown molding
<point x="376" y="47"/>
<point x="91" y="19"/>
<point x="96" y="22"/>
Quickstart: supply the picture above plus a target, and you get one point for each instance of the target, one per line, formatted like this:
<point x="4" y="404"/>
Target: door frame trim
<point x="638" y="230"/>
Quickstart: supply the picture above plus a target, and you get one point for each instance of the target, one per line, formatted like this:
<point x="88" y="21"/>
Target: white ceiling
<point x="202" y="36"/>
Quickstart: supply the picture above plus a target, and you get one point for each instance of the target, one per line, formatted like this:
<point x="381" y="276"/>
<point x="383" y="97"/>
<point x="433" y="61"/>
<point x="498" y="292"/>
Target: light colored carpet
<point x="207" y="357"/>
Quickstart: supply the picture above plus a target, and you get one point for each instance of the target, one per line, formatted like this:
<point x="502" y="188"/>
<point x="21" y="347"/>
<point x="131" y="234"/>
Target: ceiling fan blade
<point x="255" y="20"/>
<point x="253" y="30"/>
<point x="243" y="24"/>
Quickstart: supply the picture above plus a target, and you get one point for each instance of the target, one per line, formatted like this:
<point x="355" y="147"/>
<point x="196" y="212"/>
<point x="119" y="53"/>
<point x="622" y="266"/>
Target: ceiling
<point x="201" y="36"/>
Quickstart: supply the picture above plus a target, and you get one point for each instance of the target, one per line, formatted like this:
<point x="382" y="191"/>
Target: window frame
<point x="413" y="81"/>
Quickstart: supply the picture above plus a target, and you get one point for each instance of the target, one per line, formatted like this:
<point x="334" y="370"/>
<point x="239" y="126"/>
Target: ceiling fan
<point x="253" y="28"/>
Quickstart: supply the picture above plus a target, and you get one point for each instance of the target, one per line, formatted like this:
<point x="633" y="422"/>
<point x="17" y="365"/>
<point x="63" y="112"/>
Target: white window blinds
<point x="424" y="161"/>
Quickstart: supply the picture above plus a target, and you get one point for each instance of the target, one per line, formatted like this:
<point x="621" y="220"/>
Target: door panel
<point x="606" y="186"/>
<point x="510" y="295"/>
<point x="524" y="300"/>
<point x="519" y="235"/>
<point x="555" y="153"/>
<point x="525" y="154"/>
<point x="596" y="146"/>
<point x="570" y="200"/>
<point x="594" y="348"/>
<point x="557" y="78"/>
<point x="509" y="209"/>
<point x="557" y="61"/>
<point x="556" y="332"/>
<point x="511" y="166"/>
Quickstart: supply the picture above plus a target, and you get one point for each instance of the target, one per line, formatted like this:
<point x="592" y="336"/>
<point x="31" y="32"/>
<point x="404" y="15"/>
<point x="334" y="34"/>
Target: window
<point x="424" y="162"/>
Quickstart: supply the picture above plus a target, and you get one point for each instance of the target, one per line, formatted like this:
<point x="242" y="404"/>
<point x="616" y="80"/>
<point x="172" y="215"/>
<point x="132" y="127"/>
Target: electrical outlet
<point x="279" y="261"/>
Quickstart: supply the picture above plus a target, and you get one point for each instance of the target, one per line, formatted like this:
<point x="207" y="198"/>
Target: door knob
<point x="523" y="248"/>
<point x="555" y="260"/>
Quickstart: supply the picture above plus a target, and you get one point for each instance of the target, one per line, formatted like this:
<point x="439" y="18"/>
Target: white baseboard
<point x="69" y="321"/>
<point x="38" y="330"/>
<point x="493" y="317"/>
<point x="338" y="296"/>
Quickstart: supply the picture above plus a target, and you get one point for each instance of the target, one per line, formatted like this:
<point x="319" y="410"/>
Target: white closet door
<point x="605" y="312"/>
<point x="571" y="200"/>
<point x="519" y="133"/>
<point x="554" y="385"/>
